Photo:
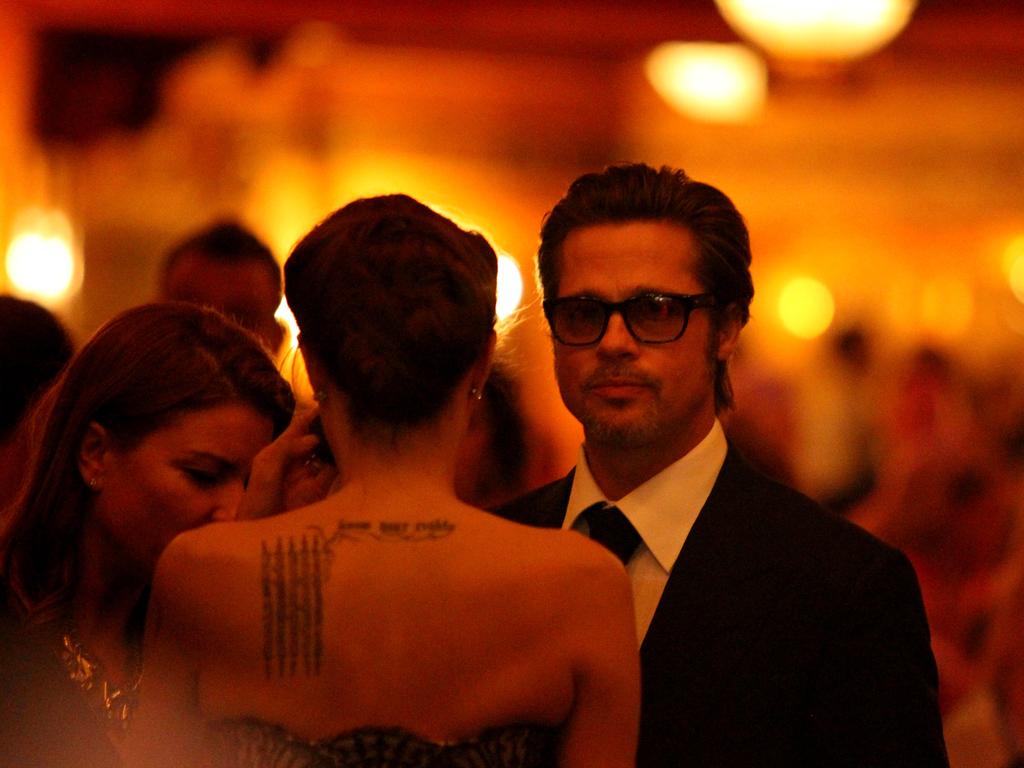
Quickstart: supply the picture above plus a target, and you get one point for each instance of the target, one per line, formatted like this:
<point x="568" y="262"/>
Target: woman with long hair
<point x="390" y="624"/>
<point x="150" y="430"/>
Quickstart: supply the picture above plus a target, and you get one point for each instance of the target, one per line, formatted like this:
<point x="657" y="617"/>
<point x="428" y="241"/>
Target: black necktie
<point x="611" y="528"/>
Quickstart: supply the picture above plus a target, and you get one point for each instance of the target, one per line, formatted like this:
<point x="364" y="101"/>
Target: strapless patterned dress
<point x="254" y="744"/>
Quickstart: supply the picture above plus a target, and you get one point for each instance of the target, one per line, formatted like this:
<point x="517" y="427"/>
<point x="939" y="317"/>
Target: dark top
<point x="45" y="722"/>
<point x="254" y="744"/>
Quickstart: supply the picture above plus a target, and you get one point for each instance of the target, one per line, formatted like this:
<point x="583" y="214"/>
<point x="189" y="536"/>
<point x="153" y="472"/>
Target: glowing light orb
<point x="40" y="258"/>
<point x="1014" y="260"/>
<point x="818" y="29"/>
<point x="806" y="307"/>
<point x="723" y="83"/>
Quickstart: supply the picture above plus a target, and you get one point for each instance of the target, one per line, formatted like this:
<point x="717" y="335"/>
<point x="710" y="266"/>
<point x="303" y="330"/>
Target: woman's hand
<point x="289" y="472"/>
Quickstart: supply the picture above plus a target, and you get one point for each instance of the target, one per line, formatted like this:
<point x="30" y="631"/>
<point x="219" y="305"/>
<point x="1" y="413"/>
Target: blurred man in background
<point x="226" y="267"/>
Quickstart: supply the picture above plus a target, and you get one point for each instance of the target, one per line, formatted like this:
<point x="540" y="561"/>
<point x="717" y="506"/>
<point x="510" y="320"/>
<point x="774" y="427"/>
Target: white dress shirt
<point x="662" y="510"/>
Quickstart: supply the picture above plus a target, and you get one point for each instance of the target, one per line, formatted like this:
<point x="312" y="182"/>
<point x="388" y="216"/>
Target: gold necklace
<point x="115" y="704"/>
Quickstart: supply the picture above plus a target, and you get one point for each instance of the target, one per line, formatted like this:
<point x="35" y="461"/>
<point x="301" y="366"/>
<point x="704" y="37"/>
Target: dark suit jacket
<point x="786" y="636"/>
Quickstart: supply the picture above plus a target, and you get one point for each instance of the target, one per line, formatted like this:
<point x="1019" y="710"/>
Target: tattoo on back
<point x="292" y="580"/>
<point x="293" y="571"/>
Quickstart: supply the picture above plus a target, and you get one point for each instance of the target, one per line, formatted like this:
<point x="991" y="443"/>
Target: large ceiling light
<point x="817" y="30"/>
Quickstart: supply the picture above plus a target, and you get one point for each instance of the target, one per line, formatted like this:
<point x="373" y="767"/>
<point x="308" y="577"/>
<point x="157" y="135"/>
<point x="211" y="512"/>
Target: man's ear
<point x="94" y="454"/>
<point x="729" y="332"/>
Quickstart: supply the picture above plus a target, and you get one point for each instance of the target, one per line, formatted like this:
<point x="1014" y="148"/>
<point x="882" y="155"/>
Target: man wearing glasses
<point x="771" y="633"/>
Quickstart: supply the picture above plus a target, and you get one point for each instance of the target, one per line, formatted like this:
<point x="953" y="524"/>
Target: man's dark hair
<point x="227" y="242"/>
<point x="639" y="192"/>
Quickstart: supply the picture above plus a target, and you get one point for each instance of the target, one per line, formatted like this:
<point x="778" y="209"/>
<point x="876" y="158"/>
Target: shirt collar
<point x="665" y="507"/>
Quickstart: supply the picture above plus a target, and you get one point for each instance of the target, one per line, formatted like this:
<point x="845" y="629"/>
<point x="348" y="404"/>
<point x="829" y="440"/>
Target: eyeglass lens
<point x="649" y="318"/>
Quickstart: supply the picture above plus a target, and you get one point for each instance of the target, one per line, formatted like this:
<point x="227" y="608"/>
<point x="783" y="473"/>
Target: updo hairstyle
<point x="396" y="302"/>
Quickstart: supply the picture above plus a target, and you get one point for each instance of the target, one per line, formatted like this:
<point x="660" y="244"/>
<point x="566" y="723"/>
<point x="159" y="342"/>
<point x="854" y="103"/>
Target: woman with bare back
<point x="390" y="624"/>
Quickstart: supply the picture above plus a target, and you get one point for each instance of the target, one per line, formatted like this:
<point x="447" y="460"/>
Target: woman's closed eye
<point x="207" y="471"/>
<point x="204" y="478"/>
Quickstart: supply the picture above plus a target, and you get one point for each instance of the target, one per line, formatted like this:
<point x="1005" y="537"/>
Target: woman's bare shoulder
<point x="573" y="592"/>
<point x="569" y="551"/>
<point x="203" y="565"/>
<point x="567" y="566"/>
<point x="228" y="540"/>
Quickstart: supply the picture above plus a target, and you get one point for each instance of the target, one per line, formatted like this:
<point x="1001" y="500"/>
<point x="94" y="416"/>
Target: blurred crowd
<point x="927" y="453"/>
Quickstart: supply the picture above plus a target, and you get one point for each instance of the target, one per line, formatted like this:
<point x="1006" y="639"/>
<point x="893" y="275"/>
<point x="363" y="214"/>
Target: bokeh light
<point x="712" y="82"/>
<point x="806" y="307"/>
<point x="1014" y="261"/>
<point x="41" y="260"/>
<point x="818" y="29"/>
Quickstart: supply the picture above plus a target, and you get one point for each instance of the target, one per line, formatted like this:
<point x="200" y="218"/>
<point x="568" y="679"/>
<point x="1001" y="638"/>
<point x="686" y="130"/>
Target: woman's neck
<point x="412" y="466"/>
<point x="105" y="609"/>
<point x="384" y="460"/>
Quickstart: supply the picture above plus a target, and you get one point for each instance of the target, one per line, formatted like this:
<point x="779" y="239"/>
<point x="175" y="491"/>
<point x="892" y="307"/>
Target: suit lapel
<point x="544" y="507"/>
<point x="723" y="576"/>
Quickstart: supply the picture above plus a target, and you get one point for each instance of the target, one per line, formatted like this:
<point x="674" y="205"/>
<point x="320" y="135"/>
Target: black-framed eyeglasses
<point x="651" y="318"/>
